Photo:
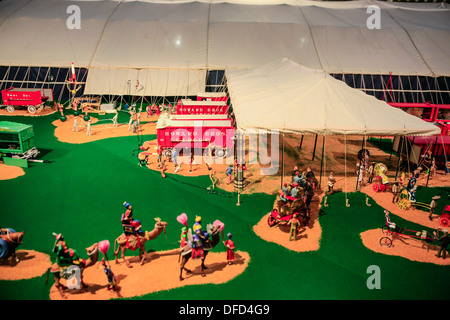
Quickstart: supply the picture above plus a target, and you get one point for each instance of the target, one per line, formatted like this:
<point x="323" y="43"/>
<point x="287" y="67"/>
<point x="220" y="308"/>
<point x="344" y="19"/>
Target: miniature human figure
<point x="295" y="171"/>
<point x="62" y="251"/>
<point x="411" y="183"/>
<point x="390" y="224"/>
<point x="138" y="120"/>
<point x="310" y="176"/>
<point x="149" y="110"/>
<point x="183" y="240"/>
<point x="114" y="119"/>
<point x="88" y="127"/>
<point x="60" y="108"/>
<point x="432" y="168"/>
<point x="412" y="194"/>
<point x="127" y="217"/>
<point x="112" y="280"/>
<point x="128" y="220"/>
<point x="159" y="152"/>
<point x="229" y="172"/>
<point x="212" y="176"/>
<point x="175" y="159"/>
<point x="444" y="241"/>
<point x="331" y="182"/>
<point x="285" y="192"/>
<point x="294" y="190"/>
<point x="135" y="121"/>
<point x="395" y="191"/>
<point x="75" y="124"/>
<point x="65" y="256"/>
<point x="296" y="177"/>
<point x="191" y="161"/>
<point x="433" y="206"/>
<point x="198" y="239"/>
<point x="402" y="179"/>
<point x="371" y="172"/>
<point x="309" y="193"/>
<point x="130" y="122"/>
<point x="229" y="244"/>
<point x="163" y="168"/>
<point x="294" y="223"/>
<point x="360" y="173"/>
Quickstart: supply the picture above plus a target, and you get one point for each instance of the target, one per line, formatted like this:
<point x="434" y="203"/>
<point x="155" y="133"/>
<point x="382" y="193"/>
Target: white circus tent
<point x="289" y="98"/>
<point x="167" y="46"/>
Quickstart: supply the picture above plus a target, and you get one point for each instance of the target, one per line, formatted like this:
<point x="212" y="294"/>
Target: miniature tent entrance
<point x="286" y="97"/>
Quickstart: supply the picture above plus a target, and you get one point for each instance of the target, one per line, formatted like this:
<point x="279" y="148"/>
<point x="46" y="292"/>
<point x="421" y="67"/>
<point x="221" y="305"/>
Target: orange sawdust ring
<point x="10" y="172"/>
<point x="308" y="239"/>
<point x="64" y="133"/>
<point x="32" y="264"/>
<point x="159" y="273"/>
<point x="407" y="247"/>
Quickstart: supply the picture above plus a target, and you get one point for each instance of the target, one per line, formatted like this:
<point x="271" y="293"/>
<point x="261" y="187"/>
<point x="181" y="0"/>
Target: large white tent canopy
<point x="185" y="38"/>
<point x="289" y="98"/>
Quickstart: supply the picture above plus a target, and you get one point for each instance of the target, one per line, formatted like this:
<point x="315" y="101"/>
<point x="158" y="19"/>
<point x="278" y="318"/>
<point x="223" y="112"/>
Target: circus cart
<point x="407" y="200"/>
<point x="276" y="219"/>
<point x="389" y="231"/>
<point x="32" y="99"/>
<point x="195" y="131"/>
<point x="381" y="183"/>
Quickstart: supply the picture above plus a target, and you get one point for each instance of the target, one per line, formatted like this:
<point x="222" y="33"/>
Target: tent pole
<point x="359" y="168"/>
<point x="314" y="151"/>
<point x="432" y="156"/>
<point x="321" y="162"/>
<point x="301" y="143"/>
<point x="399" y="157"/>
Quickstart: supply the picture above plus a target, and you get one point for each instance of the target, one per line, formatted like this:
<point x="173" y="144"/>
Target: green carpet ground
<point x="80" y="194"/>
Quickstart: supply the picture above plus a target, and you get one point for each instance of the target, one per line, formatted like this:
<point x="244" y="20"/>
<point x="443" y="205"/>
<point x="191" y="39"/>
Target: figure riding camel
<point x="199" y="238"/>
<point x="65" y="256"/>
<point x="131" y="227"/>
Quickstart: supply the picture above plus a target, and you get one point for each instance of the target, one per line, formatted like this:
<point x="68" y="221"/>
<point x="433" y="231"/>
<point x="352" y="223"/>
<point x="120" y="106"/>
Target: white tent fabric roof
<point x="287" y="97"/>
<point x="414" y="39"/>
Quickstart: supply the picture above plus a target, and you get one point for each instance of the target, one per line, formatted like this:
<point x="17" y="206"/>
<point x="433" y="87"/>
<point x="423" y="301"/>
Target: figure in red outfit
<point x="131" y="227"/>
<point x="183" y="240"/>
<point x="230" y="249"/>
<point x="128" y="220"/>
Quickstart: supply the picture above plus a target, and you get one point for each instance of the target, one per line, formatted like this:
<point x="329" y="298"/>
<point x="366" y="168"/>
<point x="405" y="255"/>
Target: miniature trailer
<point x="17" y="143"/>
<point x="23" y="97"/>
<point x="194" y="132"/>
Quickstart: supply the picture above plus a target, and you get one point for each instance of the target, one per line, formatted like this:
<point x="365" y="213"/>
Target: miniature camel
<point x="121" y="241"/>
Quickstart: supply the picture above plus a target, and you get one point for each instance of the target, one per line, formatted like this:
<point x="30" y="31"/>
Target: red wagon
<point x="23" y="97"/>
<point x="274" y="218"/>
<point x="195" y="131"/>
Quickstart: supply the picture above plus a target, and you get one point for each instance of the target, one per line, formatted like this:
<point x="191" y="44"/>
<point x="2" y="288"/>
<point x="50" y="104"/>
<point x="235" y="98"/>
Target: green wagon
<point x="17" y="142"/>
